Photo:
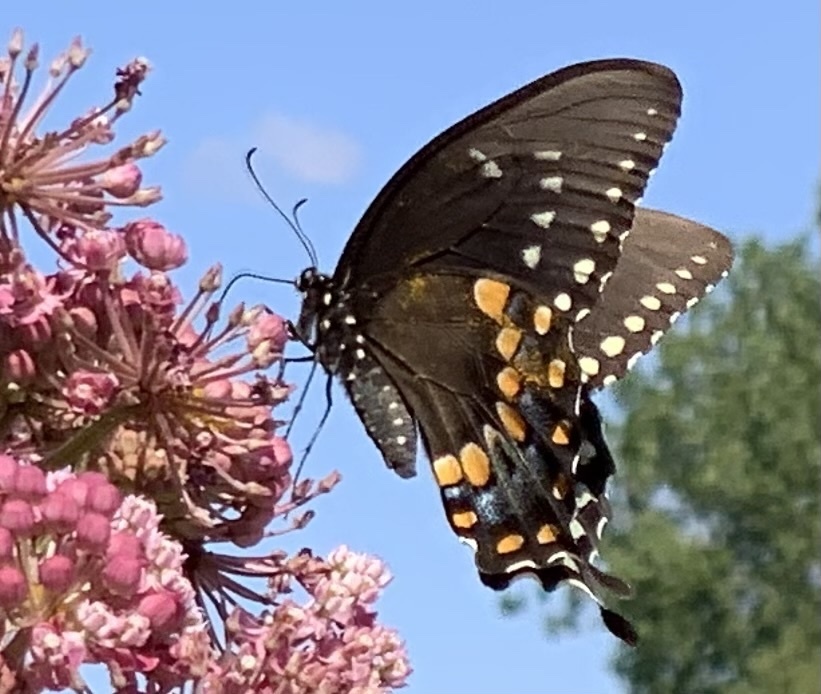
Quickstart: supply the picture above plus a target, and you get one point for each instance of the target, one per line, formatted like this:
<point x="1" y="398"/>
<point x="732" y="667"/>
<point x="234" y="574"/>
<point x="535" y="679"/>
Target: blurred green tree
<point x="717" y="520"/>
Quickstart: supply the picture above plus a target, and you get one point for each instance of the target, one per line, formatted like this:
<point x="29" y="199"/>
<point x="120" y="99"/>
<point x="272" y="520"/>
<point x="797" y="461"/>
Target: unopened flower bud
<point x="19" y="367"/>
<point x="31" y="483"/>
<point x="93" y="532"/>
<point x="17" y="517"/>
<point x="121" y="181"/>
<point x="60" y="512"/>
<point x="151" y="245"/>
<point x="12" y="587"/>
<point x="121" y="574"/>
<point x="56" y="573"/>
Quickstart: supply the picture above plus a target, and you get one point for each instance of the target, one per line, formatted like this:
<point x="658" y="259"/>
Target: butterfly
<point x="498" y="280"/>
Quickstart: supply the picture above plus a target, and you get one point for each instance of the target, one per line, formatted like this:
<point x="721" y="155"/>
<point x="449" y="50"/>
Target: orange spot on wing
<point x="509" y="382"/>
<point x="509" y="543"/>
<point x="547" y="534"/>
<point x="464" y="519"/>
<point x="447" y="470"/>
<point x="507" y="342"/>
<point x="475" y="464"/>
<point x="512" y="421"/>
<point x="491" y="296"/>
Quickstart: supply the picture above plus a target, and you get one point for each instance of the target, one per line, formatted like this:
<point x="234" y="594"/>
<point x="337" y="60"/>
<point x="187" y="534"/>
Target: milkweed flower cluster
<point x="137" y="433"/>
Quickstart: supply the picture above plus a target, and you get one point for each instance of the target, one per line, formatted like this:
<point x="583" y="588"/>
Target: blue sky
<point x="336" y="100"/>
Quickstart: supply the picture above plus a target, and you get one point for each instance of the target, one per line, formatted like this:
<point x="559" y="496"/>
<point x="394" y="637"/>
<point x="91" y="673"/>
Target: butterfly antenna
<point x="297" y="229"/>
<point x="307" y="241"/>
<point x="249" y="275"/>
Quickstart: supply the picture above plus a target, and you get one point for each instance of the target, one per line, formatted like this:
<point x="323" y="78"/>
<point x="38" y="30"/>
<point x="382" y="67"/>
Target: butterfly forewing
<point x="543" y="181"/>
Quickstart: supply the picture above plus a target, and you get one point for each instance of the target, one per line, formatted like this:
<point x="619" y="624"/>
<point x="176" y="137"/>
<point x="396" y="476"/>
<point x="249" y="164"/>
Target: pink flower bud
<point x="60" y="512"/>
<point x="282" y="451"/>
<point x="17" y="516"/>
<point x="121" y="574"/>
<point x="93" y="532"/>
<point x="36" y="333"/>
<point x="75" y="489"/>
<point x="124" y="544"/>
<point x="121" y="181"/>
<point x="9" y="468"/>
<point x="12" y="587"/>
<point x="152" y="246"/>
<point x="31" y="483"/>
<point x="268" y="326"/>
<point x="19" y="367"/>
<point x="104" y="499"/>
<point x="162" y="610"/>
<point x="56" y="573"/>
<point x="217" y="389"/>
<point x="89" y="392"/>
<point x="84" y="321"/>
<point x="99" y="249"/>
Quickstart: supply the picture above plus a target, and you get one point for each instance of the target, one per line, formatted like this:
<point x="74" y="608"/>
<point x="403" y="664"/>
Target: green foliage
<point x="718" y="524"/>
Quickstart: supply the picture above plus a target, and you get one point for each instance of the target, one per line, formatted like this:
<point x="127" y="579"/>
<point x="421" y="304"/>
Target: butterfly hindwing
<point x="667" y="265"/>
<point x="515" y="444"/>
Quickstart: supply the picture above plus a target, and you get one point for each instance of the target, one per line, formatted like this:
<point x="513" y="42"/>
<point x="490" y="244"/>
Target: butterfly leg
<point x="328" y="405"/>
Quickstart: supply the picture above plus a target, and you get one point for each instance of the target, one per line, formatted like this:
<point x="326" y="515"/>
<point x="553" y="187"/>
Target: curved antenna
<point x="250" y="275"/>
<point x="293" y="223"/>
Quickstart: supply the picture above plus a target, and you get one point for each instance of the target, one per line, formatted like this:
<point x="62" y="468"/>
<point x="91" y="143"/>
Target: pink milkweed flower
<point x="152" y="246"/>
<point x="43" y="178"/>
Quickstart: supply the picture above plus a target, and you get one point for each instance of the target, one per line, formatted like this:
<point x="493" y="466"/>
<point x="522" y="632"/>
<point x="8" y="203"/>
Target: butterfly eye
<point x="307" y="279"/>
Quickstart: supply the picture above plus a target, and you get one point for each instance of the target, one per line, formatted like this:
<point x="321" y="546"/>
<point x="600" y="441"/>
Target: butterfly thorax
<point x="327" y="322"/>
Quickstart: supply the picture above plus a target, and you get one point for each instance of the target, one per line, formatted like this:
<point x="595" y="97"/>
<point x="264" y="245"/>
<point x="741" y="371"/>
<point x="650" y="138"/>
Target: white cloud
<point x="303" y="150"/>
<point x="309" y="152"/>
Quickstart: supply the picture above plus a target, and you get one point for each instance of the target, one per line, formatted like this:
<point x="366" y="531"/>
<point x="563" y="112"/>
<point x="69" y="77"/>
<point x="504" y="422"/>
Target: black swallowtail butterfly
<point x="499" y="278"/>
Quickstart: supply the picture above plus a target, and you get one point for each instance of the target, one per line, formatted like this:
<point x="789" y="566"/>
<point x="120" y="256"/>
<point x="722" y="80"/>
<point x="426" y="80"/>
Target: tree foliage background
<point x="717" y="522"/>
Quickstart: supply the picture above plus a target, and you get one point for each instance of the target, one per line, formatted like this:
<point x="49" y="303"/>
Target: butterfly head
<point x="317" y="295"/>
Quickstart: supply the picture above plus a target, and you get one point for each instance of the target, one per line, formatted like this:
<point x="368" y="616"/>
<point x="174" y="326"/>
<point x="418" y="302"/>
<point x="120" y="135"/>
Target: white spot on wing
<point x="552" y="183"/>
<point x="613" y="345"/>
<point x="650" y="302"/>
<point x="600" y="230"/>
<point x="532" y="255"/>
<point x="614" y="194"/>
<point x="583" y="269"/>
<point x="589" y="365"/>
<point x="635" y="324"/>
<point x="548" y="155"/>
<point x="517" y="565"/>
<point x="543" y="219"/>
<point x="582" y="314"/>
<point x="631" y="362"/>
<point x="563" y="302"/>
<point x="476" y="155"/>
<point x="490" y="169"/>
<point x="627" y="165"/>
